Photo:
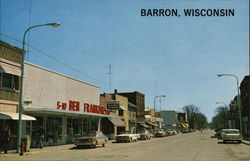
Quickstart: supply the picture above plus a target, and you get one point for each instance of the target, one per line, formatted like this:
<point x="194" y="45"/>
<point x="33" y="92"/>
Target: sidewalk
<point x="13" y="153"/>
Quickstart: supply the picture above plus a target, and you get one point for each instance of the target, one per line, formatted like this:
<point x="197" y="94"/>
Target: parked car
<point x="217" y="133"/>
<point x="145" y="135"/>
<point x="160" y="133"/>
<point x="127" y="136"/>
<point x="184" y="130"/>
<point x="231" y="135"/>
<point x="91" y="138"/>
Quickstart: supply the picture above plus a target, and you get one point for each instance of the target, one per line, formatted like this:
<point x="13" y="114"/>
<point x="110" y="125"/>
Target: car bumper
<point x="84" y="144"/>
<point x="232" y="139"/>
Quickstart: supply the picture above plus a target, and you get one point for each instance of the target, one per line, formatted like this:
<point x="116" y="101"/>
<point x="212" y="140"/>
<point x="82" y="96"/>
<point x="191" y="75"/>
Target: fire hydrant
<point x="22" y="148"/>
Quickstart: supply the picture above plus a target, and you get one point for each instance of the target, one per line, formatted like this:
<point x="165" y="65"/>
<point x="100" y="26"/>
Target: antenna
<point x="110" y="73"/>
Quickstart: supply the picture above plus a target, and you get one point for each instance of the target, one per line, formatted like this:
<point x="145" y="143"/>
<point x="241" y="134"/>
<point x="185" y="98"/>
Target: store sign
<point x="113" y="106"/>
<point x="75" y="106"/>
<point x="96" y="109"/>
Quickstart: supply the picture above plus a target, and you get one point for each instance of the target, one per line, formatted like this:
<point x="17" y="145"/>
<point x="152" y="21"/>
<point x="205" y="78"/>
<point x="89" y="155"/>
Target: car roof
<point x="230" y="130"/>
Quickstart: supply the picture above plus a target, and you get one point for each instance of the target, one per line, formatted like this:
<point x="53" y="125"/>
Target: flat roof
<point x="43" y="68"/>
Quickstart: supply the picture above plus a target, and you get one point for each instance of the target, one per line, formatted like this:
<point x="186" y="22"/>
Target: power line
<point x="57" y="60"/>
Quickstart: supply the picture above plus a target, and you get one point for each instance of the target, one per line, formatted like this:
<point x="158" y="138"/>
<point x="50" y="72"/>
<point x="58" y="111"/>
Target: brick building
<point x="138" y="99"/>
<point x="245" y="98"/>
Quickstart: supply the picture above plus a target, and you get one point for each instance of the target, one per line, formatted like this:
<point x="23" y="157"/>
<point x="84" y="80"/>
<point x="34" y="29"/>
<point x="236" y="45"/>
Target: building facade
<point x="245" y="99"/>
<point x="170" y="119"/>
<point x="10" y="72"/>
<point x="63" y="106"/>
<point x="138" y="99"/>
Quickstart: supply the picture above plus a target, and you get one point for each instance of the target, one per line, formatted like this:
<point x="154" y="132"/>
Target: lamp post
<point x="222" y="103"/>
<point x="157" y="97"/>
<point x="160" y="104"/>
<point x="20" y="106"/>
<point x="238" y="96"/>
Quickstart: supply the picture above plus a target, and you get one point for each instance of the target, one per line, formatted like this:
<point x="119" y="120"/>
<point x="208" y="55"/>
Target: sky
<point x="174" y="56"/>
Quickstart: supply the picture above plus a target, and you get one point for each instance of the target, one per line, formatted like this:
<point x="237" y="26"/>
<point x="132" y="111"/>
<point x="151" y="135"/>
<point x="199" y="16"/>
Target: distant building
<point x="245" y="98"/>
<point x="182" y="117"/>
<point x="138" y="99"/>
<point x="170" y="119"/>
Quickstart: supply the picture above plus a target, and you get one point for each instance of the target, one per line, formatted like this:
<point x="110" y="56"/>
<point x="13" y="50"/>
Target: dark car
<point x="160" y="133"/>
<point x="217" y="133"/>
<point x="145" y="135"/>
<point x="91" y="138"/>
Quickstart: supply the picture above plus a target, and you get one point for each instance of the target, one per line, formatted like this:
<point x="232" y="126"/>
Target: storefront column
<point x="115" y="130"/>
<point x="64" y="129"/>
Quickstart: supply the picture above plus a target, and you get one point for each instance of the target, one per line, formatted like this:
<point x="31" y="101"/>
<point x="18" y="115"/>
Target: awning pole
<point x="30" y="130"/>
<point x="99" y="124"/>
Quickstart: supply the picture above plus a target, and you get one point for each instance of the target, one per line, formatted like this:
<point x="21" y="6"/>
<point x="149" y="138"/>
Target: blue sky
<point x="177" y="57"/>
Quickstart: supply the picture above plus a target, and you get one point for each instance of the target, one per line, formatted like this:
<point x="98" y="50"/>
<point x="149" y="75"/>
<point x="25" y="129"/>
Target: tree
<point x="220" y="120"/>
<point x="194" y="117"/>
<point x="200" y="121"/>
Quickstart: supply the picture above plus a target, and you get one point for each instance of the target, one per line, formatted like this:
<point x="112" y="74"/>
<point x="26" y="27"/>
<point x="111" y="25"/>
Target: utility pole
<point x="110" y="74"/>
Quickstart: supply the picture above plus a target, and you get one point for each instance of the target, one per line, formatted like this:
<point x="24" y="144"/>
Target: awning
<point x="150" y="123"/>
<point x="144" y="125"/>
<point x="15" y="116"/>
<point x="117" y="122"/>
<point x="123" y="108"/>
<point x="61" y="112"/>
<point x="10" y="69"/>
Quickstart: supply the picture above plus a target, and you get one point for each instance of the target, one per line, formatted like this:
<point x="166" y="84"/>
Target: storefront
<point x="63" y="106"/>
<point x="10" y="120"/>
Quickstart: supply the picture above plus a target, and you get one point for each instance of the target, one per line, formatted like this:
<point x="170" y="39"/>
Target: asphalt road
<point x="182" y="147"/>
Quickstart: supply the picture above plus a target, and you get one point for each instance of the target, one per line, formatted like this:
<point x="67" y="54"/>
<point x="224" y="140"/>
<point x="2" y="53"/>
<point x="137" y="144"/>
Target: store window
<point x="54" y="129"/>
<point x="9" y="81"/>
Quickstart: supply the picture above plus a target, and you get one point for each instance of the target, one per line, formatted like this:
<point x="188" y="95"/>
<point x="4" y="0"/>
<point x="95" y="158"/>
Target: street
<point x="182" y="147"/>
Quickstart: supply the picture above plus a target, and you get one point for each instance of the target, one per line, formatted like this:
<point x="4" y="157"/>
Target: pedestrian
<point x="201" y="131"/>
<point x="41" y="137"/>
<point x="5" y="139"/>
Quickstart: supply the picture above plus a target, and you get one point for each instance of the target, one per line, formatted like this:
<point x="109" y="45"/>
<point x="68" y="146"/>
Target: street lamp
<point x="157" y="97"/>
<point x="238" y="96"/>
<point x="20" y="106"/>
<point x="222" y="103"/>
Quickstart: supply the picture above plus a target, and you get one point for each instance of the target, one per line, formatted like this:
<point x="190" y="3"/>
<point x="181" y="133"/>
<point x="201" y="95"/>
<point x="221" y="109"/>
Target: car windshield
<point x="126" y="132"/>
<point x="231" y="132"/>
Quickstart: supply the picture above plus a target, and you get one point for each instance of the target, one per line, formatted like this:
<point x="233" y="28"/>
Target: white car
<point x="127" y="136"/>
<point x="231" y="135"/>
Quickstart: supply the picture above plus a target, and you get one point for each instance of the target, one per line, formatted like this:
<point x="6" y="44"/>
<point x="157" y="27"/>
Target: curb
<point x="245" y="142"/>
<point x="26" y="153"/>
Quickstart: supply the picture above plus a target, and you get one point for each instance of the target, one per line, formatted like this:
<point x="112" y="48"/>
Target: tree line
<point x="195" y="118"/>
<point x="220" y="120"/>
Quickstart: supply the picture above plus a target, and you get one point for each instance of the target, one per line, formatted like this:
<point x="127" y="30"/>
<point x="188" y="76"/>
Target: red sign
<point x="75" y="106"/>
<point x="96" y="109"/>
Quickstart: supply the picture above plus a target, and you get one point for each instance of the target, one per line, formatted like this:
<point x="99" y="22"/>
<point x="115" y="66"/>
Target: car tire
<point x="103" y="145"/>
<point x="224" y="141"/>
<point x="239" y="141"/>
<point x="96" y="143"/>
